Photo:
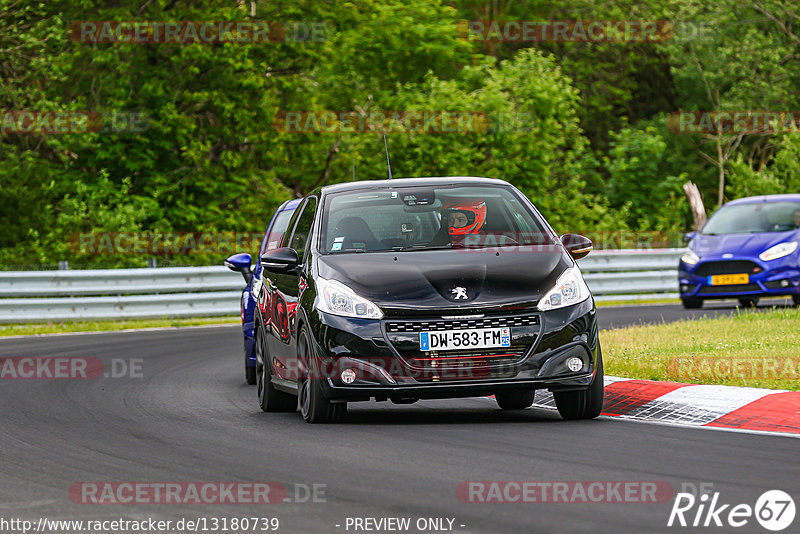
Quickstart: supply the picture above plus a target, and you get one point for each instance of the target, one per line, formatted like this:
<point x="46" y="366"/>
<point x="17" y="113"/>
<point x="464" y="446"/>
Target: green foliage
<point x="781" y="176"/>
<point x="637" y="163"/>
<point x="579" y="127"/>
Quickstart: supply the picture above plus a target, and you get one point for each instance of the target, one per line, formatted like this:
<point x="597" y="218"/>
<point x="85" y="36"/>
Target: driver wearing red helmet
<point x="460" y="218"/>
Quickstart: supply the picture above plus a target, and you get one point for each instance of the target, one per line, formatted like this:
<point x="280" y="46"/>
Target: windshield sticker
<point x="336" y="246"/>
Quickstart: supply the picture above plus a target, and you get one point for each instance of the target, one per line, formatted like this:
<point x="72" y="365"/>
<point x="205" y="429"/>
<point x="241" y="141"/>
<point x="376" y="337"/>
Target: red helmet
<point x="475" y="211"/>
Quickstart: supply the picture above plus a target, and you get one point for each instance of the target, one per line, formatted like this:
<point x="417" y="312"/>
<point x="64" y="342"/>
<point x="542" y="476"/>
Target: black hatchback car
<point x="424" y="288"/>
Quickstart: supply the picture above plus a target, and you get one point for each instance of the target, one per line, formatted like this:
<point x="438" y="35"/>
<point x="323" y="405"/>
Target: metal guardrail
<point x="36" y="296"/>
<point x="632" y="274"/>
<point x="119" y="294"/>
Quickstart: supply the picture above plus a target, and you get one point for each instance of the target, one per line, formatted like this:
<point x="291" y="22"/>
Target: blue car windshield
<point x="754" y="218"/>
<point x="406" y="219"/>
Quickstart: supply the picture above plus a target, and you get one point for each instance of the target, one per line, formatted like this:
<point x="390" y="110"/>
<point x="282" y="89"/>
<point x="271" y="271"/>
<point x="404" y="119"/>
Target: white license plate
<point x="473" y="338"/>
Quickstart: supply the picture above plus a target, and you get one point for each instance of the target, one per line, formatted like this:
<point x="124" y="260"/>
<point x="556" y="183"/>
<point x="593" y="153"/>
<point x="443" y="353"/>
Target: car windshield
<point x="423" y="218"/>
<point x="754" y="218"/>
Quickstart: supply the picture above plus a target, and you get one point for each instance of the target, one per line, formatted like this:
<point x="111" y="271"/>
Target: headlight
<point x="778" y="251"/>
<point x="569" y="289"/>
<point x="689" y="257"/>
<point x="338" y="299"/>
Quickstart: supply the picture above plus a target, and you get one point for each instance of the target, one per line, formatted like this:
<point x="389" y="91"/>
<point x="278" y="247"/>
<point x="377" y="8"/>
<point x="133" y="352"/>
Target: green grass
<point x="744" y="349"/>
<point x="604" y="303"/>
<point x="108" y="326"/>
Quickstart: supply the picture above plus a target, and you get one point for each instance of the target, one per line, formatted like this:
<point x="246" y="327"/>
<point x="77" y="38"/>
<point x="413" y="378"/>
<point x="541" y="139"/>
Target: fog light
<point x="348" y="376"/>
<point x="784" y="283"/>
<point x="574" y="364"/>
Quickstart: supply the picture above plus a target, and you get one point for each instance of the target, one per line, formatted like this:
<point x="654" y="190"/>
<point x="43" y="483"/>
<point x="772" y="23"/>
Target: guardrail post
<point x="63" y="265"/>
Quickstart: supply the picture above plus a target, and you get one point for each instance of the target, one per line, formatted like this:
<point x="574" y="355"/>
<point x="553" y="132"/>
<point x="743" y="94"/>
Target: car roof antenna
<point x="388" y="163"/>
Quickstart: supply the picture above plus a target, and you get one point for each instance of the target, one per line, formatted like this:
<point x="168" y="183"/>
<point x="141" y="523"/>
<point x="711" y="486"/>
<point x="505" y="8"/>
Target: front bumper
<point x="765" y="279"/>
<point x="385" y="367"/>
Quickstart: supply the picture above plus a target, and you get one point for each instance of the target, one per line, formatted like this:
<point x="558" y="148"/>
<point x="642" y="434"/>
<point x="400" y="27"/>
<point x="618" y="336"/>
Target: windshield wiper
<point x="426" y="247"/>
<point x="349" y="251"/>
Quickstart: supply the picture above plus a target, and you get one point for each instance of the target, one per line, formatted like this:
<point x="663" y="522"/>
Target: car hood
<point x="415" y="283"/>
<point x="738" y="244"/>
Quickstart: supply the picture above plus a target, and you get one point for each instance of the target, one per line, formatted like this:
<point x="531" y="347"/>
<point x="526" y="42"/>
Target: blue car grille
<point x="727" y="267"/>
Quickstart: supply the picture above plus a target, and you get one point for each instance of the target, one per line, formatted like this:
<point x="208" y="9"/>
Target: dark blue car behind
<point x="747" y="250"/>
<point x="241" y="263"/>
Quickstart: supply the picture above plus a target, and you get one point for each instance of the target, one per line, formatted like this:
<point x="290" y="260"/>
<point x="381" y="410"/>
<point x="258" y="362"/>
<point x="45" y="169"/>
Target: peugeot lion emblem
<point x="459" y="293"/>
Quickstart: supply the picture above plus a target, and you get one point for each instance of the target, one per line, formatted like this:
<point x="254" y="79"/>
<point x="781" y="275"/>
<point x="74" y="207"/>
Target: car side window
<point x="276" y="232"/>
<point x="292" y="222"/>
<point x="303" y="228"/>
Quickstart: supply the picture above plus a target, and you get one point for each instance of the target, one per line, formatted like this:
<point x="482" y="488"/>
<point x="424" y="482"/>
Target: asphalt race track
<point x="188" y="416"/>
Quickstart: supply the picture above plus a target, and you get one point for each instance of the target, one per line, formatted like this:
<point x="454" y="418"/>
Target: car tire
<point x="750" y="302"/>
<point x="514" y="400"/>
<point x="692" y="303"/>
<point x="796" y="300"/>
<point x="314" y="406"/>
<point x="586" y="403"/>
<point x="250" y="374"/>
<point x="269" y="398"/>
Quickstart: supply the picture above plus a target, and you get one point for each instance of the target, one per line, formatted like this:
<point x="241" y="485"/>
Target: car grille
<point x="467" y="363"/>
<point x="735" y="288"/>
<point x="461" y="358"/>
<point x="490" y="322"/>
<point x="727" y="267"/>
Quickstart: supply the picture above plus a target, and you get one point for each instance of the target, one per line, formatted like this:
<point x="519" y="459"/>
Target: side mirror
<point x="241" y="264"/>
<point x="280" y="260"/>
<point x="577" y="245"/>
<point x="688" y="236"/>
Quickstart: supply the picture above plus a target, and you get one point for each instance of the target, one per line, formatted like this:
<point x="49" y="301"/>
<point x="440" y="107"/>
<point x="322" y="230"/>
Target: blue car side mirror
<point x="688" y="236"/>
<point x="241" y="264"/>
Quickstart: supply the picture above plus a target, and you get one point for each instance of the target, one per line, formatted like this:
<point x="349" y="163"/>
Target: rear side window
<point x="303" y="228"/>
<point x="275" y="235"/>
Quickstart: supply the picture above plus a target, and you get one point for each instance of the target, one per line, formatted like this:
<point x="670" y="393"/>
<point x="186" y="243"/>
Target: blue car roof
<point x="290" y="204"/>
<point x="765" y="198"/>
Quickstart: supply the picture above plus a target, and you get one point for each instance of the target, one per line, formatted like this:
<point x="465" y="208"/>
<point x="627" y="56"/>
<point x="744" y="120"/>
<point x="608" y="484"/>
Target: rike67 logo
<point x="774" y="510"/>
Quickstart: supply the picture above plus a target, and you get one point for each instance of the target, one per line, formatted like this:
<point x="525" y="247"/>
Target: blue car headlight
<point x="778" y="251"/>
<point x="689" y="257"/>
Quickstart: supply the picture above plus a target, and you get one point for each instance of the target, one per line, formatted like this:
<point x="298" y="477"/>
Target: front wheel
<point x="250" y="373"/>
<point x="269" y="398"/>
<point x="314" y="407"/>
<point x="749" y="302"/>
<point x="514" y="400"/>
<point x="796" y="300"/>
<point x="692" y="303"/>
<point x="583" y="404"/>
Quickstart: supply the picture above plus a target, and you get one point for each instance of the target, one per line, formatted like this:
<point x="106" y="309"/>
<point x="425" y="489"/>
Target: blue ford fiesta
<point x="241" y="263"/>
<point x="748" y="249"/>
